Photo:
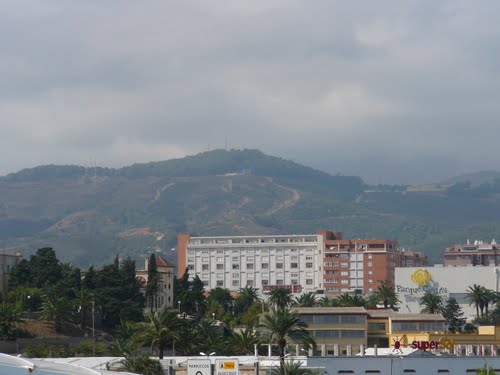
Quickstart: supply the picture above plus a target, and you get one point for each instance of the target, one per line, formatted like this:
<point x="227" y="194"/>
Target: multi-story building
<point x="7" y="262"/>
<point x="477" y="254"/>
<point x="345" y="330"/>
<point x="412" y="258"/>
<point x="262" y="262"/>
<point x="357" y="266"/>
<point x="165" y="295"/>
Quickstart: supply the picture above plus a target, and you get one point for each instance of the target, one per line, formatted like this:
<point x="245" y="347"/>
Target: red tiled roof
<point x="160" y="262"/>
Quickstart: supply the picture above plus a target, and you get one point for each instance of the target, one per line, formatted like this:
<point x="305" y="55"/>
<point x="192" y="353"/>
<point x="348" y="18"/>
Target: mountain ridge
<point x="91" y="214"/>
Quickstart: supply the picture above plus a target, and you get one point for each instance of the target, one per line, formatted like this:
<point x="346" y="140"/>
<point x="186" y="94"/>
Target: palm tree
<point x="280" y="298"/>
<point x="476" y="296"/>
<point x="84" y="299"/>
<point x="243" y="343"/>
<point x="305" y="300"/>
<point x="246" y="298"/>
<point x="372" y="300"/>
<point x="160" y="328"/>
<point x="490" y="296"/>
<point x="210" y="338"/>
<point x="282" y="326"/>
<point x="345" y="300"/>
<point x="292" y="368"/>
<point x="9" y="317"/>
<point x="57" y="309"/>
<point x="134" y="359"/>
<point x="328" y="302"/>
<point x="387" y="294"/>
<point x="432" y="303"/>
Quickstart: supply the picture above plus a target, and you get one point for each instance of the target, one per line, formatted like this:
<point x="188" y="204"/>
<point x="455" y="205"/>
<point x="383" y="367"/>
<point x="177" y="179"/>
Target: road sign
<point x="198" y="367"/>
<point x="227" y="367"/>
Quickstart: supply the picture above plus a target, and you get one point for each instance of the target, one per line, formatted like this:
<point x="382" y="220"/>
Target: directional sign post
<point x="227" y="367"/>
<point x="198" y="367"/>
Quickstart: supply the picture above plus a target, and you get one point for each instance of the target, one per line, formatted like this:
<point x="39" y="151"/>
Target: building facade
<point x="263" y="262"/>
<point x="357" y="266"/>
<point x="411" y="283"/>
<point x="7" y="262"/>
<point x="346" y="330"/>
<point x="477" y="254"/>
<point x="165" y="295"/>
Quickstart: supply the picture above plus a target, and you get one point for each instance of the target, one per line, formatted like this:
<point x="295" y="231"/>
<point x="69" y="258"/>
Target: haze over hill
<point x="90" y="214"/>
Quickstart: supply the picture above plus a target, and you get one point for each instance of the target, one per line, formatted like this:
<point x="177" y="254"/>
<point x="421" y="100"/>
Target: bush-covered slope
<point x="90" y="214"/>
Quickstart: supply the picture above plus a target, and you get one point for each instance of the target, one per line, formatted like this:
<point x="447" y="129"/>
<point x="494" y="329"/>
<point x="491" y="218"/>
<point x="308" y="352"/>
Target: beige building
<point x="165" y="296"/>
<point x="478" y="253"/>
<point x="7" y="262"/>
<point x="345" y="330"/>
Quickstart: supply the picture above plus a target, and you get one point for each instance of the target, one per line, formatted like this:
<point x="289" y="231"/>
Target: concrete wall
<point x="398" y="365"/>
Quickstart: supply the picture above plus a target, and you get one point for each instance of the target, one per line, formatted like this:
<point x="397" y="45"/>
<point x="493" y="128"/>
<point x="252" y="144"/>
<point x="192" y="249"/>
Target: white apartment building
<point x="262" y="262"/>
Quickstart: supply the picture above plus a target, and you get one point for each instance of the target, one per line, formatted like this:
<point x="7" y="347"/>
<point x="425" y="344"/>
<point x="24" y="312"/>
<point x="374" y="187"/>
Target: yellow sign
<point x="421" y="276"/>
<point x="229" y="365"/>
<point x="446" y="343"/>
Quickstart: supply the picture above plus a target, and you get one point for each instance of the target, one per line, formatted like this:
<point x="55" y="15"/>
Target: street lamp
<point x="179" y="306"/>
<point x="213" y="317"/>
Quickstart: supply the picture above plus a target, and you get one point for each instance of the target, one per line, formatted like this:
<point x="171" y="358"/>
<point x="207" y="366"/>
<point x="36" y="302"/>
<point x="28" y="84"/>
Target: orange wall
<point x="182" y="241"/>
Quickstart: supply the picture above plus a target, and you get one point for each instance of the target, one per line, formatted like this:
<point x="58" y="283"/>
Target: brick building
<point x="477" y="254"/>
<point x="323" y="262"/>
<point x="357" y="266"/>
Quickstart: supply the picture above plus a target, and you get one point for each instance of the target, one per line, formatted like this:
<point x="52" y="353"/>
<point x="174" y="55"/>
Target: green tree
<point x="45" y="267"/>
<point x="57" y="309"/>
<point x="346" y="300"/>
<point x="70" y="280"/>
<point x="117" y="294"/>
<point x="25" y="298"/>
<point x="243" y="342"/>
<point x="282" y="326"/>
<point x="246" y="298"/>
<point x="20" y="275"/>
<point x="160" y="329"/>
<point x="292" y="368"/>
<point x="476" y="295"/>
<point x="9" y="317"/>
<point x="328" y="302"/>
<point x="134" y="360"/>
<point x="387" y="295"/>
<point x="454" y="316"/>
<point x="432" y="303"/>
<point x="88" y="281"/>
<point x="305" y="300"/>
<point x="211" y="338"/>
<point x="153" y="284"/>
<point x="84" y="299"/>
<point x="280" y="298"/>
<point x="486" y="371"/>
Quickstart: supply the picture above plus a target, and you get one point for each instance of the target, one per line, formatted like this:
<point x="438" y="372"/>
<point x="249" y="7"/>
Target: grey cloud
<point x="388" y="90"/>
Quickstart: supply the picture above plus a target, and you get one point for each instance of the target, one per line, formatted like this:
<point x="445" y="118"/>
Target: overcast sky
<point x="392" y="91"/>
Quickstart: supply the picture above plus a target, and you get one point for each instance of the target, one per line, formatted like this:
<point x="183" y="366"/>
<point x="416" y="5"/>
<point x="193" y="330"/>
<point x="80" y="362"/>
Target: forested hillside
<point x="91" y="214"/>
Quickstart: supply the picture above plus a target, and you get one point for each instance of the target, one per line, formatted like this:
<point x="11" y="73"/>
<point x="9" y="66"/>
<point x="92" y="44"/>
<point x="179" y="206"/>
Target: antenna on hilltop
<point x="225" y="143"/>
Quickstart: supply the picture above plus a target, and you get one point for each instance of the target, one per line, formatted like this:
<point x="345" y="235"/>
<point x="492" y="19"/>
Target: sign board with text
<point x="227" y="367"/>
<point x="198" y="367"/>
